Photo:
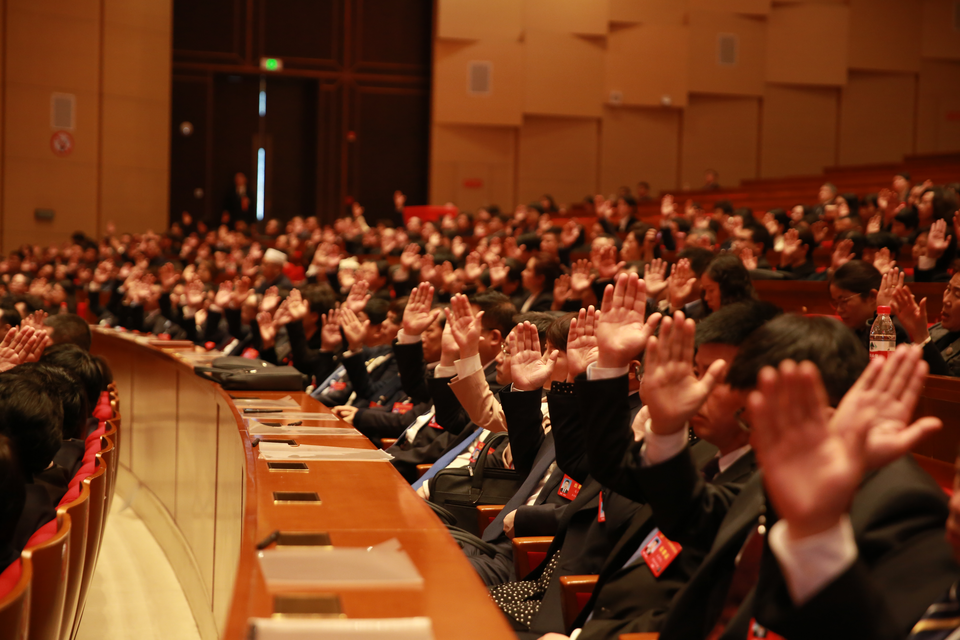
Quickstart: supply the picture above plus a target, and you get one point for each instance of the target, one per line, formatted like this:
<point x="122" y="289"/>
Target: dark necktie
<point x="711" y="469"/>
<point x="941" y="619"/>
<point x="548" y="455"/>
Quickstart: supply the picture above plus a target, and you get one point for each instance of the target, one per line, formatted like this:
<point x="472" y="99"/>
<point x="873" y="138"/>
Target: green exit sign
<point x="271" y="64"/>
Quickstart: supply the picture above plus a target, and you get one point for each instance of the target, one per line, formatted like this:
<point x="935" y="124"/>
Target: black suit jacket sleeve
<point x="569" y="435"/>
<point x="356" y="367"/>
<point x="311" y="362"/>
<point x="933" y="357"/>
<point x="413" y="370"/>
<point x="904" y="565"/>
<point x="613" y="454"/>
<point x="524" y="426"/>
<point x="234" y="323"/>
<point x="538" y="519"/>
<point x="449" y="413"/>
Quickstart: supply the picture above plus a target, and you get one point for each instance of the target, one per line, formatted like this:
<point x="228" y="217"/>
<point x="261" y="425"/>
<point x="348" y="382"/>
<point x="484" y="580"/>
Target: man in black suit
<point x="825" y="476"/>
<point x="236" y="202"/>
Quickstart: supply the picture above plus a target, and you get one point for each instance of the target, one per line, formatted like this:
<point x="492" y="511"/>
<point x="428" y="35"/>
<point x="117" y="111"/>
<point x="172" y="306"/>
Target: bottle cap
<point x="883" y="309"/>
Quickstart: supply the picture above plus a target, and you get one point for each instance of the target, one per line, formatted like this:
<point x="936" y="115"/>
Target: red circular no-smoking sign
<point x="61" y="143"/>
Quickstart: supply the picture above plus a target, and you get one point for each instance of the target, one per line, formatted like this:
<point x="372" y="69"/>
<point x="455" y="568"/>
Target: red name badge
<point x="374" y="405"/>
<point x="338" y="386"/>
<point x="569" y="488"/>
<point x="601" y="516"/>
<point x="433" y="423"/>
<point x="401" y="407"/>
<point x="757" y="632"/>
<point x="658" y="552"/>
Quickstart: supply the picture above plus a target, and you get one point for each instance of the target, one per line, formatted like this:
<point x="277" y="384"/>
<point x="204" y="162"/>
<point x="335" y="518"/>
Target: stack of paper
<point x="341" y="629"/>
<point x="384" y="565"/>
<point x="279" y="451"/>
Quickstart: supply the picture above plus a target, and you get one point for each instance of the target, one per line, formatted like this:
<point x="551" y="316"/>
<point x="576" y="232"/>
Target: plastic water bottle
<point x="883" y="337"/>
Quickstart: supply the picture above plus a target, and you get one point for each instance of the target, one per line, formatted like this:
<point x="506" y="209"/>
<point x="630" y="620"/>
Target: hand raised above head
<point x="529" y="369"/>
<point x="418" y="315"/>
<point x="621" y="331"/>
<point x="582" y="350"/>
<point x="465" y="327"/>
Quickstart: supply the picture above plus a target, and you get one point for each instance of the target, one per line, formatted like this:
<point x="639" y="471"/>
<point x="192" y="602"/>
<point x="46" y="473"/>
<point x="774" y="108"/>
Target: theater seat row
<point x="42" y="595"/>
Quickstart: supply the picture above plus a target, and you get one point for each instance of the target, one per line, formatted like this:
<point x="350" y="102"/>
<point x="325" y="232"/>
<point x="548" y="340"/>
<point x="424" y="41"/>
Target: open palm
<point x="621" y="330"/>
<point x="528" y="368"/>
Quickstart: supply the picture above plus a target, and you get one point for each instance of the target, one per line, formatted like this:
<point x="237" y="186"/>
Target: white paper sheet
<point x="262" y="428"/>
<point x="419" y="628"/>
<point x="385" y="565"/>
<point x="279" y="451"/>
<point x="285" y="402"/>
<point x="292" y="415"/>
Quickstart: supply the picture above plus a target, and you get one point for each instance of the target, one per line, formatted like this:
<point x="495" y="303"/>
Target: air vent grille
<point x="62" y="109"/>
<point x="478" y="78"/>
<point x="727" y="49"/>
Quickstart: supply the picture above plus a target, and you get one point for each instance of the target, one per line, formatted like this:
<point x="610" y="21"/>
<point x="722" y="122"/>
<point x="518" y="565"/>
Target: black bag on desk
<point x="459" y="491"/>
<point x="244" y="374"/>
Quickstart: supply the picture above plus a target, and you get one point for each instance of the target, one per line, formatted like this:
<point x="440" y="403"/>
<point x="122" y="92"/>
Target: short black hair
<point x="761" y="235"/>
<point x="376" y="310"/>
<point x="832" y="347"/>
<point x="68" y="390"/>
<point x="857" y="276"/>
<point x="70" y="328"/>
<point x="530" y="240"/>
<point x="699" y="258"/>
<point x="559" y="330"/>
<point x="733" y="323"/>
<point x="81" y="364"/>
<point x="884" y="240"/>
<point x="514" y="269"/>
<point x="733" y="278"/>
<point x="498" y="311"/>
<point x="630" y="201"/>
<point x="540" y="319"/>
<point x="31" y="419"/>
<point x="549" y="267"/>
<point x="908" y="217"/>
<point x="11" y="317"/>
<point x="13" y="490"/>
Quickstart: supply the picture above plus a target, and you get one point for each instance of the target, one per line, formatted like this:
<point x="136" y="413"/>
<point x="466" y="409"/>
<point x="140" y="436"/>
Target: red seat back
<point x="15" y="600"/>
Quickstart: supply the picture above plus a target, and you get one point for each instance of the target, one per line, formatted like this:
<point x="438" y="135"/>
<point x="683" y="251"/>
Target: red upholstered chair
<point x="639" y="636"/>
<point x="487" y="513"/>
<point x="78" y="508"/>
<point x="108" y="460"/>
<point x="942" y="472"/>
<point x="575" y="592"/>
<point x="15" y="600"/>
<point x="50" y="558"/>
<point x="529" y="553"/>
<point x="96" y="486"/>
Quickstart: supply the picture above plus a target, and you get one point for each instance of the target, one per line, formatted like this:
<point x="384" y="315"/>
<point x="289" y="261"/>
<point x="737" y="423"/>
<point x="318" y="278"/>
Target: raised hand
<point x="464" y="325"/>
<point x="473" y="268"/>
<point x="241" y="291"/>
<point x="282" y="315"/>
<point x="891" y="282"/>
<point x="670" y="388"/>
<point x="9" y="347"/>
<point x="428" y="270"/>
<point x="912" y="316"/>
<point x="410" y="258"/>
<point x="32" y="349"/>
<point x="358" y="297"/>
<point x="450" y="278"/>
<point x="937" y="240"/>
<point x="268" y="330"/>
<point x="581" y="278"/>
<point x="883" y="261"/>
<point x="224" y="294"/>
<point x="621" y="331"/>
<point x="529" y="369"/>
<point x="749" y="260"/>
<point x="168" y="277"/>
<point x="418" y="315"/>
<point x="297" y="307"/>
<point x="35" y="319"/>
<point x="874" y="224"/>
<point x="271" y="298"/>
<point x="680" y="284"/>
<point x="330" y="337"/>
<point x="606" y="264"/>
<point x="561" y="292"/>
<point x="842" y="254"/>
<point x="570" y="233"/>
<point x="791" y="245"/>
<point x="655" y="277"/>
<point x="353" y="329"/>
<point x="582" y="349"/>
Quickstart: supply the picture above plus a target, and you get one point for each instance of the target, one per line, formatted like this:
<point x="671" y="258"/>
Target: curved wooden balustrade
<point x="188" y="469"/>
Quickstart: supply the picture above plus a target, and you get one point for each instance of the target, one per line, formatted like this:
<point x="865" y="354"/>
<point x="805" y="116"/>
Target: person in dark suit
<point x="24" y="507"/>
<point x="857" y="548"/>
<point x="236" y="202"/>
<point x="941" y="342"/>
<point x="32" y="419"/>
<point x="541" y="272"/>
<point x="271" y="271"/>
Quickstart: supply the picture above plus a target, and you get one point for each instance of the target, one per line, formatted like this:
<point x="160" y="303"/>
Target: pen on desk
<point x="269" y="540"/>
<point x="263" y="410"/>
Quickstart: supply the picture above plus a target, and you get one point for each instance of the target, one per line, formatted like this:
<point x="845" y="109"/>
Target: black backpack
<point x="245" y="374"/>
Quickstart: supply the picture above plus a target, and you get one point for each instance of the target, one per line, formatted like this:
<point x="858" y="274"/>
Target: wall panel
<point x="473" y="166"/>
<point x="647" y="63"/>
<point x="869" y="134"/>
<point x="451" y="101"/>
<point x="587" y="17"/>
<point x="720" y="133"/>
<point x="938" y="111"/>
<point x="477" y="19"/>
<point x="563" y="74"/>
<point x="748" y="7"/>
<point x="648" y="11"/>
<point x="639" y="144"/>
<point x="808" y="44"/>
<point x="799" y="130"/>
<point x="885" y="35"/>
<point x="938" y="36"/>
<point x="707" y="75"/>
<point x="558" y="156"/>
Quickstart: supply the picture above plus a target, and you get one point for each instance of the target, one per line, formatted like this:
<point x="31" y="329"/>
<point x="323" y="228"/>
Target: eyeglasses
<point x="505" y="349"/>
<point x="842" y="302"/>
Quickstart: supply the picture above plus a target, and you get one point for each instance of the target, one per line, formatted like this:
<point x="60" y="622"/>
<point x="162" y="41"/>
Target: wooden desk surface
<point x="362" y="503"/>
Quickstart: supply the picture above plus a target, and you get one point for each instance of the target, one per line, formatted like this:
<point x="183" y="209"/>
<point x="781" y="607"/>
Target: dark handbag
<point x="244" y="374"/>
<point x="460" y="491"/>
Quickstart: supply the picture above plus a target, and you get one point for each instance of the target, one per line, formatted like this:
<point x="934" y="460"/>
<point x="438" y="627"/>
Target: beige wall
<point x="816" y="83"/>
<point x="114" y="57"/>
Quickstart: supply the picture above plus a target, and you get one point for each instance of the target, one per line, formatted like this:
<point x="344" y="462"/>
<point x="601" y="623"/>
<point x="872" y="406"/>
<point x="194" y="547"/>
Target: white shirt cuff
<point x="597" y="373"/>
<point x="403" y="338"/>
<point x="925" y="264"/>
<point x="659" y="448"/>
<point x="442" y="371"/>
<point x="468" y="366"/>
<point x="575" y="634"/>
<point x="811" y="563"/>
